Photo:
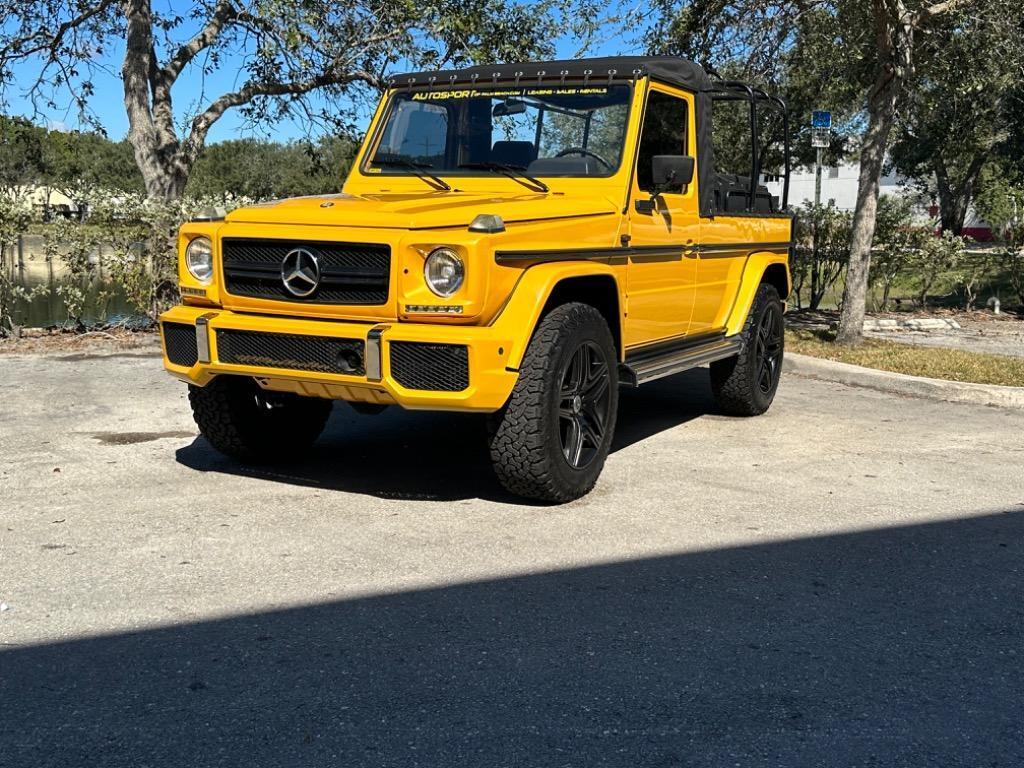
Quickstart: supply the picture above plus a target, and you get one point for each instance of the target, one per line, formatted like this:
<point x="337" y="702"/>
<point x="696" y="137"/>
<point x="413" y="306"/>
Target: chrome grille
<point x="350" y="273"/>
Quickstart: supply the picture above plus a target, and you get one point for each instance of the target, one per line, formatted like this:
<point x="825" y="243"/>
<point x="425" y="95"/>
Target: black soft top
<point x="667" y="69"/>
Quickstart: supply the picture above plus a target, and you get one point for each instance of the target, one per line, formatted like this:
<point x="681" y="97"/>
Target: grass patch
<point x="934" y="363"/>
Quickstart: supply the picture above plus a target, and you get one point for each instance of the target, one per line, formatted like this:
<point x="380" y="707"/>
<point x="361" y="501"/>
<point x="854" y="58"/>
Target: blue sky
<point x="191" y="90"/>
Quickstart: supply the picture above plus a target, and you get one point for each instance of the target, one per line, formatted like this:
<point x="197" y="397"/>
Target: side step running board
<point x="642" y="367"/>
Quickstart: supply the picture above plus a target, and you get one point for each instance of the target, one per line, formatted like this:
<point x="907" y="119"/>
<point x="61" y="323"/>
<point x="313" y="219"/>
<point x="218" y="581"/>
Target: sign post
<point x="821" y="130"/>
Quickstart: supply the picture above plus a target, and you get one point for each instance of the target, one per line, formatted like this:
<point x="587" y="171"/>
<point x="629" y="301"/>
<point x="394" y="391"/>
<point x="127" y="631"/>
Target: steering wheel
<point x="587" y="153"/>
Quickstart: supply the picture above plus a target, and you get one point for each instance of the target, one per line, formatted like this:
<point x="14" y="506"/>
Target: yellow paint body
<point x="708" y="286"/>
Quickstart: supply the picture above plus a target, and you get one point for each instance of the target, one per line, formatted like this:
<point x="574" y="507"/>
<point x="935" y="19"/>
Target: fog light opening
<point x="349" y="361"/>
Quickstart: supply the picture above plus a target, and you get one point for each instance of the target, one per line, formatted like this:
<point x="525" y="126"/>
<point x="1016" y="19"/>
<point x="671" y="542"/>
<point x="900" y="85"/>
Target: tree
<point x="960" y="113"/>
<point x="286" y="51"/>
<point x="864" y="54"/>
<point x="1001" y="204"/>
<point x="262" y="170"/>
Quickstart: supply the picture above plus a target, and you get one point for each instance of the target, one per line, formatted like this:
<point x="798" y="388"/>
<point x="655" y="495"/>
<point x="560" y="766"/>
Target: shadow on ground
<point x="442" y="456"/>
<point x="891" y="647"/>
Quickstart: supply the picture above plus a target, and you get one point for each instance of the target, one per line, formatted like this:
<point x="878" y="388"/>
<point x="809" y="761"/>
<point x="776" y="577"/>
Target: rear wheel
<point x="242" y="420"/>
<point x="551" y="439"/>
<point x="745" y="385"/>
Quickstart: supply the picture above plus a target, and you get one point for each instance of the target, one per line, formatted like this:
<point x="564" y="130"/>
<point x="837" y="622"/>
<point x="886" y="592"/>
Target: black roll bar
<point x="734" y="90"/>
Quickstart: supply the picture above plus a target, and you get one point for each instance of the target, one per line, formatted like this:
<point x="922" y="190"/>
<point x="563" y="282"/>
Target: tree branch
<point x="223" y="12"/>
<point x="52" y="42"/>
<point x="245" y="95"/>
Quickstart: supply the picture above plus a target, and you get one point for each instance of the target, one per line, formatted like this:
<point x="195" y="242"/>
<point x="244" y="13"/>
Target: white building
<point x="839" y="184"/>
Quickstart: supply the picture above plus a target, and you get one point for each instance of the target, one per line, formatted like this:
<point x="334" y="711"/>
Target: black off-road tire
<point x="243" y="421"/>
<point x="736" y="381"/>
<point x="526" y="436"/>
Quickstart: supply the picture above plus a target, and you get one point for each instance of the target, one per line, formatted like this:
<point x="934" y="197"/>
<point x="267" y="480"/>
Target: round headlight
<point x="444" y="271"/>
<point x="199" y="259"/>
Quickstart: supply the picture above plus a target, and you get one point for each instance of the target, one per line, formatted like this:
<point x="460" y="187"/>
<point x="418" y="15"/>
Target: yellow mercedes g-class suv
<point x="518" y="240"/>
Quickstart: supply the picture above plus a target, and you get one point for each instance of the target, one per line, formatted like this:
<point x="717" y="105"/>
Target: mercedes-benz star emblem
<point x="300" y="272"/>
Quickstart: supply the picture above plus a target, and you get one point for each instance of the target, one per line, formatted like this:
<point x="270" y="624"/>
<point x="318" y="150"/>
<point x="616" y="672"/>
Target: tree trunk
<point x="954" y="201"/>
<point x="894" y="36"/>
<point x="881" y="116"/>
<point x="163" y="182"/>
<point x="147" y="101"/>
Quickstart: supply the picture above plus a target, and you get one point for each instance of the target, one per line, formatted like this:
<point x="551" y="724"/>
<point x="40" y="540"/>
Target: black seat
<point x="569" y="165"/>
<point x="517" y="153"/>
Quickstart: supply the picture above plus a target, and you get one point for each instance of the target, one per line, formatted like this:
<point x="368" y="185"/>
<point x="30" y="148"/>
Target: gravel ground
<point x="835" y="583"/>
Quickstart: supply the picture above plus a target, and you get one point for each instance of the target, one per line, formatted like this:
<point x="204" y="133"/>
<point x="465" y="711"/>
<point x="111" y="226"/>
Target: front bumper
<point x="486" y="355"/>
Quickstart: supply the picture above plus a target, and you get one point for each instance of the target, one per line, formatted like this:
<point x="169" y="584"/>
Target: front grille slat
<point x="180" y="343"/>
<point x="323" y="354"/>
<point x="434" y="367"/>
<point x="351" y="273"/>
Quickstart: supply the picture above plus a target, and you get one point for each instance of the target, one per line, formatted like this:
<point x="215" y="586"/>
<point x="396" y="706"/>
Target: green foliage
<point x="1001" y="204"/>
<point x="895" y="234"/>
<point x="262" y="170"/>
<point x="71" y="162"/>
<point x="133" y="239"/>
<point x="271" y="57"/>
<point x="958" y="120"/>
<point x="816" y="57"/>
<point x="931" y="256"/>
<point x="15" y="216"/>
<point x="822" y="237"/>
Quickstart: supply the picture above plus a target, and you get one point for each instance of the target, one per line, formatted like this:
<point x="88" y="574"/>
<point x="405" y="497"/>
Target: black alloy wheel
<point x="584" y="403"/>
<point x="768" y="352"/>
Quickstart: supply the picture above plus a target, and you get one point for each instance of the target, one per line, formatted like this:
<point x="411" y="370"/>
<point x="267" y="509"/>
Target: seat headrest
<point x="577" y="166"/>
<point x="517" y="153"/>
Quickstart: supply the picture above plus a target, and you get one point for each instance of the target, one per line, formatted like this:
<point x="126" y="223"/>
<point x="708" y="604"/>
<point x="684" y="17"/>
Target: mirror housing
<point x="508" y="107"/>
<point x="671" y="171"/>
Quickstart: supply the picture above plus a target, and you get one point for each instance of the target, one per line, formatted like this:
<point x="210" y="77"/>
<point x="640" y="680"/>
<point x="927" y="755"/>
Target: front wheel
<point x="745" y="385"/>
<point x="551" y="439"/>
<point x="242" y="420"/>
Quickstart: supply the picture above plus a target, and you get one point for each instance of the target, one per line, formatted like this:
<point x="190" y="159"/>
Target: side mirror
<point x="671" y="171"/>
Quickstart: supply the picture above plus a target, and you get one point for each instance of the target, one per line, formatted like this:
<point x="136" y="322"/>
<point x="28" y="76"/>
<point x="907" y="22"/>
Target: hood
<point x="429" y="210"/>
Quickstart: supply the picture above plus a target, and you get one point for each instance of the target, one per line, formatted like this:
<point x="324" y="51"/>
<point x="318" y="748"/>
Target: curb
<point x="912" y="324"/>
<point x="902" y="384"/>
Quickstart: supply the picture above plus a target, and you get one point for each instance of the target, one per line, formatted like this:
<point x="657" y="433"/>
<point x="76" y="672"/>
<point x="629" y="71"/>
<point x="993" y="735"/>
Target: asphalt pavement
<point x="837" y="583"/>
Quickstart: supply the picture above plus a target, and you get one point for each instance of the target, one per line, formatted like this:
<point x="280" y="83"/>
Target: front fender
<point x="521" y="313"/>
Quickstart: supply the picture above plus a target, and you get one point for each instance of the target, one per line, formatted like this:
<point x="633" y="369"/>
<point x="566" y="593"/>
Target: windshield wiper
<point x="432" y="181"/>
<point x="514" y="172"/>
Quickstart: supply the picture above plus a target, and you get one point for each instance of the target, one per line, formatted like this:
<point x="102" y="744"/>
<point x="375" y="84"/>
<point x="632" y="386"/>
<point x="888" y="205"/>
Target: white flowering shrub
<point x="15" y="217"/>
<point x="133" y="239"/>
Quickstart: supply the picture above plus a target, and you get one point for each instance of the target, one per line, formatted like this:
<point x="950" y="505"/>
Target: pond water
<point x="30" y="268"/>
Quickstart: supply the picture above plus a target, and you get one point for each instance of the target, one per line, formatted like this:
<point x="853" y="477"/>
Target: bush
<point x="822" y="252"/>
<point x="15" y="216"/>
<point x="933" y="256"/>
<point x="894" y="237"/>
<point x="134" y="239"/>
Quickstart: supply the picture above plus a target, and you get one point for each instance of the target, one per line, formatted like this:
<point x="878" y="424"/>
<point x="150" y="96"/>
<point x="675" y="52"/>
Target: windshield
<point x="541" y="131"/>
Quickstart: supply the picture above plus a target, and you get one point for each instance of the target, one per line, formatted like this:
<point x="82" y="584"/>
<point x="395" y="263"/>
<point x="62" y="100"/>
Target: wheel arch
<point x="545" y="286"/>
<point x="777" y="275"/>
<point x="599" y="291"/>
<point x="761" y="268"/>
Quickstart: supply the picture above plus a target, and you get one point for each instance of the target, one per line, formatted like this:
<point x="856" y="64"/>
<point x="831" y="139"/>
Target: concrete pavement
<point x="834" y="583"/>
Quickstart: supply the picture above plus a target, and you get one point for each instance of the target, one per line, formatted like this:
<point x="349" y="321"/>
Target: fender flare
<point x="754" y="271"/>
<point x="530" y="294"/>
